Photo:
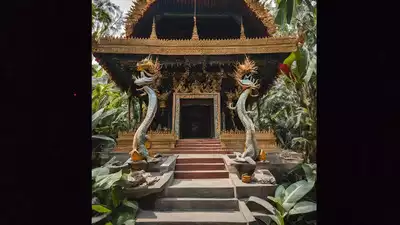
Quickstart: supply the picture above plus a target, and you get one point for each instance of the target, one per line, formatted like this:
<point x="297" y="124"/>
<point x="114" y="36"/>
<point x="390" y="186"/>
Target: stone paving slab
<point x="193" y="183"/>
<point x="201" y="188"/>
<point x="188" y="204"/>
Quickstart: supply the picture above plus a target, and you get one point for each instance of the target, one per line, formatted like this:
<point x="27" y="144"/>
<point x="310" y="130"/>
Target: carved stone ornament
<point x="211" y="85"/>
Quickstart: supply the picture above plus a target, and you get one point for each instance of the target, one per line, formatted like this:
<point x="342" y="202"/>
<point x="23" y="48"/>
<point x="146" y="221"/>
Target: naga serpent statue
<point x="243" y="75"/>
<point x="149" y="78"/>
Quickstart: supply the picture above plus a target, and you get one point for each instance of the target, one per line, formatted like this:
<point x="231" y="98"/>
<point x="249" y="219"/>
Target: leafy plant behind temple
<point x="110" y="107"/>
<point x="106" y="18"/>
<point x="289" y="107"/>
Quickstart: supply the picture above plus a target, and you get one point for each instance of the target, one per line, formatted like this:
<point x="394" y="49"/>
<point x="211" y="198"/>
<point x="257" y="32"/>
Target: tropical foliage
<point x="106" y="18"/>
<point x="110" y="107"/>
<point x="108" y="202"/>
<point x="290" y="204"/>
<point x="289" y="107"/>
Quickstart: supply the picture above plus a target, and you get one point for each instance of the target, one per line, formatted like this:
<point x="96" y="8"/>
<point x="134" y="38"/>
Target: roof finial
<point x="195" y="36"/>
<point x="242" y="34"/>
<point x="153" y="34"/>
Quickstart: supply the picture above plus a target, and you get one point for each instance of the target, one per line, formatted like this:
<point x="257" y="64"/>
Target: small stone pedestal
<point x="138" y="165"/>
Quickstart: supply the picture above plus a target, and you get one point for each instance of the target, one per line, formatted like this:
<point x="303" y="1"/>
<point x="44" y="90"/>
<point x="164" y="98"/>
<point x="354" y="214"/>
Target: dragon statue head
<point x="149" y="72"/>
<point x="243" y="74"/>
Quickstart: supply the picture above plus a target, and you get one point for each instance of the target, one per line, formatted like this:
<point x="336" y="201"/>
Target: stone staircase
<point x="201" y="193"/>
<point x="197" y="202"/>
<point x="199" y="159"/>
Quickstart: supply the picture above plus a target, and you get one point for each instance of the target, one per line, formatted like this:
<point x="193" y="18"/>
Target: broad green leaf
<point x="289" y="10"/>
<point x="123" y="217"/>
<point x="276" y="219"/>
<point x="96" y="219"/>
<point x="108" y="113"/>
<point x="100" y="209"/>
<point x="100" y="171"/>
<point x="295" y="192"/>
<point x="130" y="204"/>
<point x="278" y="202"/>
<point x="280" y="192"/>
<point x="116" y="196"/>
<point x="290" y="59"/>
<point x="104" y="138"/>
<point x="121" y="115"/>
<point x="281" y="16"/>
<point x="310" y="70"/>
<point x="96" y="117"/>
<point x="309" y="172"/>
<point x="303" y="207"/>
<point x="106" y="181"/>
<point x="108" y="223"/>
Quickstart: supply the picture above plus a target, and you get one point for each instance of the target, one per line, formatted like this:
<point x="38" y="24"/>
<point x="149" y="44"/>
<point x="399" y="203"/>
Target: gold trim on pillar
<point x="176" y="110"/>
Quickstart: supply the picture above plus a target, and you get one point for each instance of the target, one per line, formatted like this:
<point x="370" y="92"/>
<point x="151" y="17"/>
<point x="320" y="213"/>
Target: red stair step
<point x="198" y="141"/>
<point x="199" y="148"/>
<point x="204" y="174"/>
<point x="199" y="160"/>
<point x="200" y="152"/>
<point x="199" y="166"/>
<point x="198" y="145"/>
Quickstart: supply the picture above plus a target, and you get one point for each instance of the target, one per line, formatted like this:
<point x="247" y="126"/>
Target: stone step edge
<point x="227" y="203"/>
<point x="199" y="164"/>
<point x="199" y="152"/>
<point x="190" y="218"/>
<point x="201" y="171"/>
<point x="197" y="146"/>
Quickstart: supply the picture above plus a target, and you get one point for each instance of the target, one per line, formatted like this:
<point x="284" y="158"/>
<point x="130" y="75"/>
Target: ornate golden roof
<point x="140" y="7"/>
<point x="195" y="47"/>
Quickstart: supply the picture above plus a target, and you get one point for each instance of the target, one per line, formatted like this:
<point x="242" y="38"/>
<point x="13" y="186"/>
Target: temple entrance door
<point x="196" y="118"/>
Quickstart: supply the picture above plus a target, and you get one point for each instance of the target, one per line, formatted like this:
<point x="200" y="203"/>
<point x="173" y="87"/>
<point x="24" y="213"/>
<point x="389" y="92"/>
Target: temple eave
<point x="196" y="47"/>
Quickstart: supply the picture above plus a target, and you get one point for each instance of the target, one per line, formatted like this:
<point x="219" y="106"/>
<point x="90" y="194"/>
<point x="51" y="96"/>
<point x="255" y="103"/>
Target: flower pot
<point x="246" y="178"/>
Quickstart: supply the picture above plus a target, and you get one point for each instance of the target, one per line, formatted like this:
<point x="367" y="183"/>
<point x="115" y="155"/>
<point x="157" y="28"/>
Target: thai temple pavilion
<point x="197" y="43"/>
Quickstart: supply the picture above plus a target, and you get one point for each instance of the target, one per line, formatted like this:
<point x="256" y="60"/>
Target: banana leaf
<point x="104" y="182"/>
<point x="303" y="207"/>
<point x="100" y="171"/>
<point x="96" y="117"/>
<point x="295" y="192"/>
<point x="280" y="18"/>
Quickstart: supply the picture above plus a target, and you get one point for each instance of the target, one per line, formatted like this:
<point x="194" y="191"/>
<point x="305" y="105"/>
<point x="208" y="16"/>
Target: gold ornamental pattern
<point x="195" y="47"/>
<point x="262" y="14"/>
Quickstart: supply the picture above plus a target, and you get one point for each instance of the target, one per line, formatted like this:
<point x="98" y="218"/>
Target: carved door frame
<point x="176" y="110"/>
